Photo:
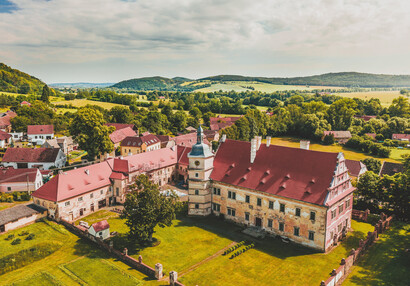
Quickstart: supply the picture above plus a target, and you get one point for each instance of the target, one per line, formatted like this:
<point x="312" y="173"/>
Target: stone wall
<point x="360" y="215"/>
<point x="339" y="275"/>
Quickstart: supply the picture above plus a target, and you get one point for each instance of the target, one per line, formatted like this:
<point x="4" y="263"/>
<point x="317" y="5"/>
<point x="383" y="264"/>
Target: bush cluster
<point x="240" y="251"/>
<point x="236" y="246"/>
<point x="14" y="197"/>
<point x="368" y="146"/>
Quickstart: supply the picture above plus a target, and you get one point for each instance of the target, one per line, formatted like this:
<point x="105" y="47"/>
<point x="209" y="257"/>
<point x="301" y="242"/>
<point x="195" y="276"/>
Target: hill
<point x="153" y="83"/>
<point x="13" y="80"/>
<point x="343" y="79"/>
<point x="81" y="85"/>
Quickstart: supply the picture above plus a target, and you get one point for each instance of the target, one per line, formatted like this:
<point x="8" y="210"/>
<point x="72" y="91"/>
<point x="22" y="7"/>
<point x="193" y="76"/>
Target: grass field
<point x="386" y="263"/>
<point x="386" y="97"/>
<point x="39" y="279"/>
<point x="84" y="102"/>
<point x="184" y="246"/>
<point x="348" y="153"/>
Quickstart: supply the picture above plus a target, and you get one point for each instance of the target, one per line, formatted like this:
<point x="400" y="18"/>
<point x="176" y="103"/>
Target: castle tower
<point x="201" y="164"/>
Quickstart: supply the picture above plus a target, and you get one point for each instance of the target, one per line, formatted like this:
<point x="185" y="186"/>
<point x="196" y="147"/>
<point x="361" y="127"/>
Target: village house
<point x="100" y="229"/>
<point x="355" y="168"/>
<point x="4" y="139"/>
<point x="219" y="123"/>
<point x="120" y="134"/>
<point x="20" y="180"/>
<point x="16" y="136"/>
<point x="119" y="126"/>
<point x="5" y="117"/>
<point x="38" y="134"/>
<point x="389" y="168"/>
<point x="183" y="163"/>
<point x="25" y="103"/>
<point x="402" y="137"/>
<point x="42" y="158"/>
<point x="302" y="195"/>
<point x="139" y="144"/>
<point x="341" y="137"/>
<point x="187" y="140"/>
<point x="65" y="143"/>
<point x="19" y="216"/>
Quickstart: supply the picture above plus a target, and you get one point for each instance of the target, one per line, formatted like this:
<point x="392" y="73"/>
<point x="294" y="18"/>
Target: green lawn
<point x="397" y="154"/>
<point x="39" y="279"/>
<point x="386" y="263"/>
<point x="385" y="97"/>
<point x="190" y="240"/>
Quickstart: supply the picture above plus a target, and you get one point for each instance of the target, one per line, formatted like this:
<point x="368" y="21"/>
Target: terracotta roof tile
<point x="100" y="226"/>
<point x="27" y="155"/>
<point x="4" y="135"/>
<point x="401" y="136"/>
<point x="118" y="135"/>
<point x="40" y="129"/>
<point x="8" y="175"/>
<point x="389" y="168"/>
<point x="135" y="141"/>
<point x="119" y="126"/>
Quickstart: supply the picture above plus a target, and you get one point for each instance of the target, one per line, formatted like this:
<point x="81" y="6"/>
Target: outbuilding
<point x="100" y="229"/>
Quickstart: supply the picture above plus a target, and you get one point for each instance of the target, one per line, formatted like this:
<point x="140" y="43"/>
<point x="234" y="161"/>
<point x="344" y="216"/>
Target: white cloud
<point x="199" y="38"/>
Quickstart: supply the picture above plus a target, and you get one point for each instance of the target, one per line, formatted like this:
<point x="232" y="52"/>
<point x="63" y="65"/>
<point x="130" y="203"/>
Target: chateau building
<point x="305" y="196"/>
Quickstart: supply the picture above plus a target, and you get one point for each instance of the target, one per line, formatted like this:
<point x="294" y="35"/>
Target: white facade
<point x="58" y="163"/>
<point x="103" y="234"/>
<point x="39" y="139"/>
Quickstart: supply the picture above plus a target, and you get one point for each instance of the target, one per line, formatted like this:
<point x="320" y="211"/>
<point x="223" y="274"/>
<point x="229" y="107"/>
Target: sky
<point x="113" y="40"/>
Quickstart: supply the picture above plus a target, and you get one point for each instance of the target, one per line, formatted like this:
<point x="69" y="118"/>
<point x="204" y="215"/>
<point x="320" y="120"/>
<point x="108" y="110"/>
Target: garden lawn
<point x="72" y="248"/>
<point x="386" y="263"/>
<point x="348" y="153"/>
<point x="39" y="279"/>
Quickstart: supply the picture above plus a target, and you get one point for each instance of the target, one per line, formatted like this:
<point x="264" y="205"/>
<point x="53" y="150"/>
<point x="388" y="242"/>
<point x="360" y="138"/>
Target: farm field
<point x="348" y="153"/>
<point x="84" y="102"/>
<point x="387" y="263"/>
<point x="184" y="246"/>
<point x="386" y="97"/>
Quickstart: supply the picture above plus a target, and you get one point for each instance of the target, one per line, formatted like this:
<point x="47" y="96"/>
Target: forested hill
<point x="12" y="80"/>
<point x="345" y="79"/>
<point x="153" y="83"/>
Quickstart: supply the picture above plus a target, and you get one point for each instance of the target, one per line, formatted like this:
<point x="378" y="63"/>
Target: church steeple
<point x="199" y="135"/>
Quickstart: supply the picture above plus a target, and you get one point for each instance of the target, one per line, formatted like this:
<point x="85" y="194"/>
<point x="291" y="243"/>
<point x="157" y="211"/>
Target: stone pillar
<point x="322" y="283"/>
<point x="158" y="271"/>
<point x="334" y="272"/>
<point x="111" y="244"/>
<point x="125" y="251"/>
<point x="343" y="261"/>
<point x="140" y="259"/>
<point x="173" y="277"/>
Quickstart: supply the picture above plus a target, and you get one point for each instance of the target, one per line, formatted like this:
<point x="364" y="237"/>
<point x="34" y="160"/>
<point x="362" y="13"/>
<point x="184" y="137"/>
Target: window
<point x="340" y="208"/>
<point x="311" y="235"/>
<point x="247" y="199"/>
<point x="282" y="208"/>
<point x="196" y="192"/>
<point x="102" y="192"/>
<point x="312" y="216"/>
<point x="339" y="228"/>
<point x="117" y="190"/>
<point x="80" y="199"/>
<point x="247" y="216"/>
<point x="231" y="212"/>
<point x="296" y="231"/>
<point x="347" y="204"/>
<point x="197" y="206"/>
<point x="297" y="212"/>
<point x="231" y="195"/>
<point x="217" y="191"/>
<point x="271" y="205"/>
<point x="270" y="223"/>
<point x="91" y="195"/>
<point x="259" y="202"/>
<point x="196" y="175"/>
<point x="281" y="226"/>
<point x="333" y="214"/>
<point x="216" y="207"/>
<point x="8" y="188"/>
<point x="66" y="203"/>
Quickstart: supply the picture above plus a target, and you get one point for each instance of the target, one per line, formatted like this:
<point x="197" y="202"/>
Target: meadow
<point x="84" y="102"/>
<point x="386" y="97"/>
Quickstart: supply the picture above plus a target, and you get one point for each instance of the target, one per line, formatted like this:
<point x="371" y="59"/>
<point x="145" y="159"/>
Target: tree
<point x="45" y="94"/>
<point x="400" y="107"/>
<point x="372" y="164"/>
<point x="88" y="129"/>
<point x="145" y="208"/>
<point x="340" y="113"/>
<point x="25" y="88"/>
<point x="367" y="188"/>
<point x="329" y="139"/>
<point x="120" y="114"/>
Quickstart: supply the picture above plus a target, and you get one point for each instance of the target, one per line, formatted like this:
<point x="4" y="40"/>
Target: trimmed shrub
<point x="23" y="233"/>
<point x="30" y="236"/>
<point x="16" y="241"/>
<point x="10" y="236"/>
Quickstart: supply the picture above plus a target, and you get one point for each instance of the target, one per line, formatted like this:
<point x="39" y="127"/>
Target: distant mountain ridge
<point x="153" y="83"/>
<point x="81" y="84"/>
<point x="13" y="80"/>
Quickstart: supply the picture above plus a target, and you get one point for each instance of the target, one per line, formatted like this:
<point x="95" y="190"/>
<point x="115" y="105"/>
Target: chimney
<point x="304" y="144"/>
<point x="258" y="142"/>
<point x="87" y="171"/>
<point x="223" y="138"/>
<point x="268" y="138"/>
<point x="253" y="149"/>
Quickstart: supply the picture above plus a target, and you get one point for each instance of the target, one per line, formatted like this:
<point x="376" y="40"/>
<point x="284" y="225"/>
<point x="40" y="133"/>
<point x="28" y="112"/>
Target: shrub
<point x="16" y="241"/>
<point x="329" y="139"/>
<point x="23" y="233"/>
<point x="30" y="236"/>
<point x="10" y="236"/>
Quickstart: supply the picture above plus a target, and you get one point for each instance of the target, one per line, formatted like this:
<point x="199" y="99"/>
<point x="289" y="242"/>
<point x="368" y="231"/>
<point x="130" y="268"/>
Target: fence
<point x="360" y="215"/>
<point x="123" y="256"/>
<point x="338" y="275"/>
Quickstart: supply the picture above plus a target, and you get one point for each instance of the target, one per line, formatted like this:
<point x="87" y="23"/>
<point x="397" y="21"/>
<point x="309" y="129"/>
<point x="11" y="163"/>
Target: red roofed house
<point x="38" y="134"/>
<point x="25" y="103"/>
<point x="340" y="136"/>
<point x="20" y="180"/>
<point x="4" y="139"/>
<point x="371" y="135"/>
<point x="187" y="140"/>
<point x="218" y="123"/>
<point x="100" y="229"/>
<point x="305" y="196"/>
<point x="119" y="126"/>
<point x="135" y="145"/>
<point x="5" y="117"/>
<point x="403" y="137"/>
<point x="183" y="163"/>
<point x="43" y="158"/>
<point x="355" y="168"/>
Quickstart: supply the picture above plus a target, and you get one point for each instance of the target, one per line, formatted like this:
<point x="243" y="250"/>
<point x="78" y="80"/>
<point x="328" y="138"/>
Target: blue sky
<point x="113" y="40"/>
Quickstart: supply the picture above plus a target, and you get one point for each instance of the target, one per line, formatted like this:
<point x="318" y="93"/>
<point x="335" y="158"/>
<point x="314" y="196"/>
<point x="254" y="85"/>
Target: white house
<point x="38" y="134"/>
<point x="4" y="139"/>
<point x="20" y="180"/>
<point x="100" y="229"/>
<point x="43" y="158"/>
<point x="16" y="136"/>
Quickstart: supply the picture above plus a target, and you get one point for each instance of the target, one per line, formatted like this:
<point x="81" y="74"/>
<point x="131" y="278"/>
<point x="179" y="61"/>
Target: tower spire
<point x="199" y="135"/>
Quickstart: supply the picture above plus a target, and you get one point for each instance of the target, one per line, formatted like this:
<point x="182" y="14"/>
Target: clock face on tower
<point x="197" y="163"/>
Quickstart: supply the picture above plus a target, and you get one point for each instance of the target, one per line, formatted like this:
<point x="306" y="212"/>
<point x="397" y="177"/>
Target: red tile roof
<point x="4" y="135"/>
<point x="118" y="135"/>
<point x="100" y="226"/>
<point x="282" y="171"/>
<point x="354" y="167"/>
<point x="75" y="182"/>
<point x="183" y="154"/>
<point x="27" y="155"/>
<point x="40" y="129"/>
<point x="187" y="140"/>
<point x="8" y="175"/>
<point x="389" y="168"/>
<point x="366" y="117"/>
<point x="119" y="126"/>
<point x="134" y="141"/>
<point x="5" y="118"/>
<point x="117" y="176"/>
<point x="25" y="103"/>
<point x="401" y="136"/>
<point x="218" y="123"/>
<point x="372" y="135"/>
<point x="338" y="134"/>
